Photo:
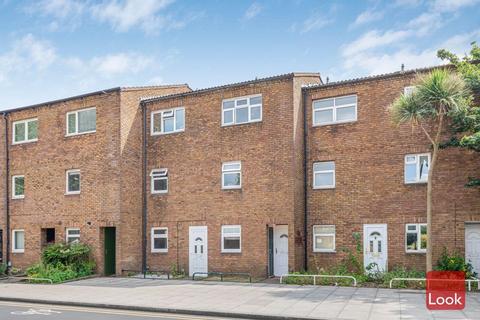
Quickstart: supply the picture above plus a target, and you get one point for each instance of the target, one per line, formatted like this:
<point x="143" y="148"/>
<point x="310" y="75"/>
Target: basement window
<point x="335" y="110"/>
<point x="159" y="240"/>
<point x="324" y="238"/>
<point x="159" y="181"/>
<point x="231" y="239"/>
<point x="25" y="131"/>
<point x="242" y="110"/>
<point x="81" y="121"/>
<point x="73" y="235"/>
<point x="18" y="187"/>
<point x="168" y="121"/>
<point x="416" y="168"/>
<point x="416" y="237"/>
<point x="18" y="241"/>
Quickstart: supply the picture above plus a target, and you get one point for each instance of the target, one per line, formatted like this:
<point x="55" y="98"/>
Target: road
<point x="24" y="311"/>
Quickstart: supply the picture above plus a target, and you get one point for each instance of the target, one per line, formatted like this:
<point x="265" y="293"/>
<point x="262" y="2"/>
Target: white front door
<point x="280" y="251"/>
<point x="375" y="247"/>
<point x="198" y="250"/>
<point x="472" y="245"/>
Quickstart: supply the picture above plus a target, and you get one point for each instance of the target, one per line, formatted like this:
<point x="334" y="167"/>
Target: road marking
<point x="32" y="312"/>
<point x="108" y="311"/>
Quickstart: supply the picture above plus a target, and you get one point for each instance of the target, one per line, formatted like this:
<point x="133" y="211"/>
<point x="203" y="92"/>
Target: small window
<point x="159" y="239"/>
<point x="73" y="181"/>
<point x="324" y="175"/>
<point x="73" y="235"/>
<point x="159" y="181"/>
<point x="18" y="187"/>
<point x="324" y="238"/>
<point x="241" y="110"/>
<point x="231" y="239"/>
<point x="416" y="237"/>
<point x="335" y="110"/>
<point x="25" y="131"/>
<point x="18" y="241"/>
<point x="81" y="121"/>
<point x="416" y="168"/>
<point x="168" y="121"/>
<point x="232" y="175"/>
<point x="407" y="91"/>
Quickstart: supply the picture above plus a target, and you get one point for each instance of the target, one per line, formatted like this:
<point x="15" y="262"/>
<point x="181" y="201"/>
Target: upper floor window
<point x="73" y="235"/>
<point x="416" y="168"/>
<point x="416" y="237"/>
<point x="324" y="238"/>
<point x="242" y="110"/>
<point x="168" y="121"/>
<point x="81" y="121"/>
<point x="408" y="90"/>
<point x="159" y="239"/>
<point x="25" y="131"/>
<point x="231" y="239"/>
<point x="18" y="243"/>
<point x="335" y="110"/>
<point x="232" y="175"/>
<point x="18" y="187"/>
<point x="324" y="175"/>
<point x="159" y="181"/>
<point x="73" y="181"/>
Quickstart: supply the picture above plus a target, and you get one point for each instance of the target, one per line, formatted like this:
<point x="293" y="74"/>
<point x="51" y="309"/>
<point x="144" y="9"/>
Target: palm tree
<point x="438" y="95"/>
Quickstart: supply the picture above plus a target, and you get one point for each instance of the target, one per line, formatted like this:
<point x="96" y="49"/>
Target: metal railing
<point x="315" y="276"/>
<point x="38" y="279"/>
<point x="150" y="272"/>
<point x="468" y="281"/>
<point x="223" y="274"/>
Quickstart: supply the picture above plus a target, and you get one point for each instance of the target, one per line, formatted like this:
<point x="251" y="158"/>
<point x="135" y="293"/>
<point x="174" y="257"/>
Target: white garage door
<point x="472" y="245"/>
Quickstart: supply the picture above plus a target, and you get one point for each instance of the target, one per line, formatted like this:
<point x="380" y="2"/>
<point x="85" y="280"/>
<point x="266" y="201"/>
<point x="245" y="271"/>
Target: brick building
<point x="224" y="184"/>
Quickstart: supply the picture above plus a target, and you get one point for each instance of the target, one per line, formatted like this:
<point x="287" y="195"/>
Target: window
<point x="25" y="131"/>
<point x="159" y="239"/>
<point x="81" y="121"/>
<point x="159" y="181"/>
<point x="408" y="90"/>
<point x="231" y="239"/>
<point x="324" y="175"/>
<point x="73" y="181"/>
<point x="73" y="235"/>
<point x="335" y="110"/>
<point x="242" y="110"/>
<point x="168" y="121"/>
<point x="18" y="243"/>
<point x="416" y="237"/>
<point x="232" y="175"/>
<point x="416" y="168"/>
<point x="18" y="187"/>
<point x="324" y="238"/>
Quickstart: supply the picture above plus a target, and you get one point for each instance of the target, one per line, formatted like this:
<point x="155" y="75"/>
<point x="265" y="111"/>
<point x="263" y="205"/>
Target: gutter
<point x="144" y="188"/>
<point x="305" y="178"/>
<point x="7" y="193"/>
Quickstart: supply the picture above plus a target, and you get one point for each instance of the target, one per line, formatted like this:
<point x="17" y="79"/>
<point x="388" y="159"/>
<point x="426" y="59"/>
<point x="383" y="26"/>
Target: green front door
<point x="109" y="251"/>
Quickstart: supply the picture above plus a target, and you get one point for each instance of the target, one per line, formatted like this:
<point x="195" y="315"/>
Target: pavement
<point x="238" y="300"/>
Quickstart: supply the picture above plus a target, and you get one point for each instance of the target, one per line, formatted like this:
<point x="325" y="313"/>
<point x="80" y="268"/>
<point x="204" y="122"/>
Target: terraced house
<point x="264" y="176"/>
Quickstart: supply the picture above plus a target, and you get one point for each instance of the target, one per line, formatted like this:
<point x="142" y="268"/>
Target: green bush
<point x="66" y="254"/>
<point x="3" y="269"/>
<point x="455" y="262"/>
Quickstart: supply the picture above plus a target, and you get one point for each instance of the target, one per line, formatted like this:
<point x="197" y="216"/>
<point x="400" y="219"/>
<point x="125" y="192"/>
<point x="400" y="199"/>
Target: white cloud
<point x="114" y="64"/>
<point x="407" y="3"/>
<point x="374" y="39"/>
<point x="367" y="17"/>
<point x="314" y="22"/>
<point x="59" y="8"/>
<point x="426" y="23"/>
<point x="452" y="5"/>
<point x="252" y="11"/>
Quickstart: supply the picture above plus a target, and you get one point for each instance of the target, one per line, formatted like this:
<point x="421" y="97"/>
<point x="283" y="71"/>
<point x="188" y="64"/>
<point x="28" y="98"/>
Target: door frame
<point x="466" y="224"/>
<point x="274" y="246"/>
<point x="190" y="273"/>
<point x="109" y="269"/>
<point x="365" y="240"/>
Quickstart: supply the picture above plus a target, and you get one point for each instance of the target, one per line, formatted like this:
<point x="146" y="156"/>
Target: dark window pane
<point x="231" y="243"/>
<point x="73" y="182"/>
<point x="411" y="241"/>
<point x="160" y="243"/>
<point x="32" y="130"/>
<point x="160" y="184"/>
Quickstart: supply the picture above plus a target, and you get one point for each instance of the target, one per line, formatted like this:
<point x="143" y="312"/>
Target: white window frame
<point x="335" y="108"/>
<point x="174" y="115"/>
<point x="154" y="236"/>
<point x="417" y="162"/>
<point x="332" y="186"/>
<point x="67" y="173"/>
<point x="248" y="105"/>
<point x="158" y="174"/>
<point x="226" y="171"/>
<point x="14" y="242"/>
<point x="239" y="250"/>
<point x="418" y="231"/>
<point x="75" y="236"/>
<point x="76" y="112"/>
<point x="324" y="234"/>
<point x="408" y="90"/>
<point x="14" y="196"/>
<point x="26" y="122"/>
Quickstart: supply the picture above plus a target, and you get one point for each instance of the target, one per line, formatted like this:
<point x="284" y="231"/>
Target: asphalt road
<point x="24" y="311"/>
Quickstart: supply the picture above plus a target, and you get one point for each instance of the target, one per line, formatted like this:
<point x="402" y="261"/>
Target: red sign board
<point x="445" y="290"/>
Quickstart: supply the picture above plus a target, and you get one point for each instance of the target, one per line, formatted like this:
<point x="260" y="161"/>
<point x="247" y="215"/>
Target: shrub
<point x="455" y="262"/>
<point x="66" y="254"/>
<point x="3" y="269"/>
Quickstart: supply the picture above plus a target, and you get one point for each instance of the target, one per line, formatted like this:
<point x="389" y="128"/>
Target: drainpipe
<point x="305" y="177"/>
<point x="144" y="189"/>
<point x="7" y="193"/>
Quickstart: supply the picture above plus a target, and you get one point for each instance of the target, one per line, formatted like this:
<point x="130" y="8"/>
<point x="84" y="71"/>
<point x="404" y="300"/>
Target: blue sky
<point x="51" y="49"/>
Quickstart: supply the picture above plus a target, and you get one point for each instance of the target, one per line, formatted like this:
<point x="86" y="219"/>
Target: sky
<point x="51" y="49"/>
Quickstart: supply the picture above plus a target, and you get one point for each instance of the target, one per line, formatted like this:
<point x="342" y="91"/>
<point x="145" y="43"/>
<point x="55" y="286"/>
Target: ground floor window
<point x="18" y="243"/>
<point x="159" y="239"/>
<point x="324" y="238"/>
<point x="231" y="239"/>
<point x="416" y="237"/>
<point x="73" y="235"/>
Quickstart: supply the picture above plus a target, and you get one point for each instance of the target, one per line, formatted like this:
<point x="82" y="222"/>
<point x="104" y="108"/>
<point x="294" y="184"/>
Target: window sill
<point x="324" y="188"/>
<point x="72" y="193"/>
<point x="159" y="192"/>
<point x="159" y="251"/>
<point x="240" y="124"/>
<point x="230" y="252"/>
<point x="415" y="252"/>
<point x="18" y="251"/>
<point x="231" y="188"/>
<point x="24" y="142"/>
<point x="418" y="182"/>
<point x="18" y="198"/>
<point x="68" y="135"/>
<point x="166" y="133"/>
<point x="333" y="123"/>
<point x="324" y="251"/>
